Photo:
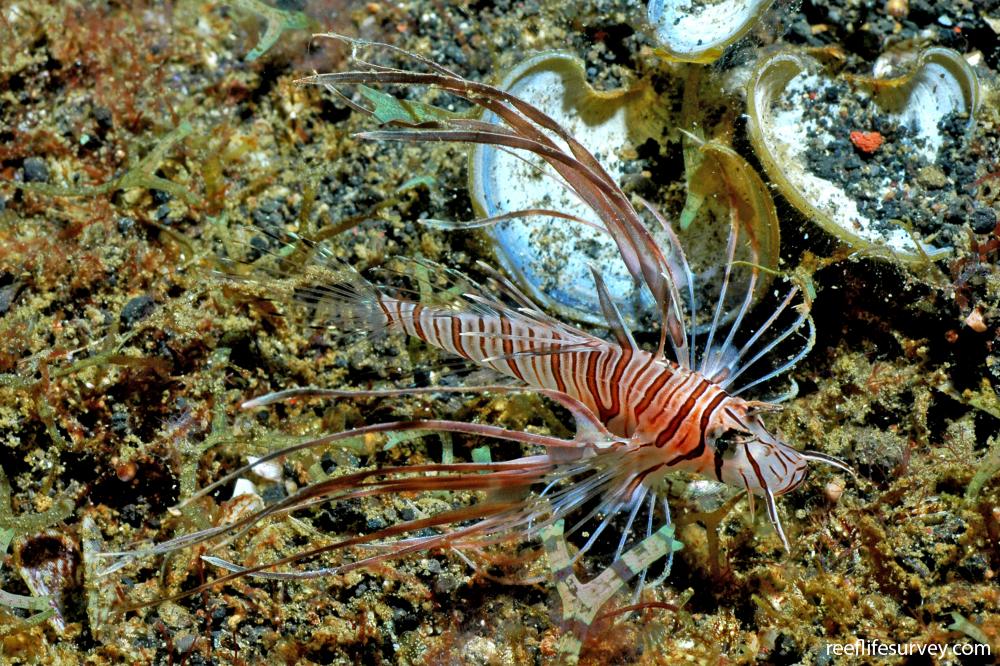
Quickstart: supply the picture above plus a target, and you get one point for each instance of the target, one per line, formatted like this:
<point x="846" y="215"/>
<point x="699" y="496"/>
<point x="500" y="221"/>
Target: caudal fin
<point x="340" y="297"/>
<point x="322" y="290"/>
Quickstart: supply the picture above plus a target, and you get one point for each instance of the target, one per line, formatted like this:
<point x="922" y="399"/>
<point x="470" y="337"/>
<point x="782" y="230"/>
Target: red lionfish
<point x="639" y="415"/>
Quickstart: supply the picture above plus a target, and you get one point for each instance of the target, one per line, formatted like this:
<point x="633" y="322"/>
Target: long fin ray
<point x="525" y="129"/>
<point x="612" y="315"/>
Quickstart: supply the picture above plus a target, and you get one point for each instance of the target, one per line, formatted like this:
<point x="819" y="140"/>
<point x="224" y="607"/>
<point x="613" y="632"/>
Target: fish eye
<point x="728" y="440"/>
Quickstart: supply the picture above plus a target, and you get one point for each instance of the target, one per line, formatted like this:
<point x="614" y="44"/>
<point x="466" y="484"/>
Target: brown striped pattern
<point x="627" y="389"/>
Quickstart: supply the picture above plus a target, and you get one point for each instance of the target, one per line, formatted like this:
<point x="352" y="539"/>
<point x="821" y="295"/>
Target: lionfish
<point x="639" y="414"/>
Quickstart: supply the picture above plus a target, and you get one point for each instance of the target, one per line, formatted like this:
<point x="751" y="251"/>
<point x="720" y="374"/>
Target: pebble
<point x="160" y="197"/>
<point x="7" y="296"/>
<point x="975" y="321"/>
<point x="922" y="11"/>
<point x="268" y="213"/>
<point x="184" y="642"/>
<point x="273" y="493"/>
<point x="103" y="116"/>
<point x="447" y="583"/>
<point x="932" y="177"/>
<point x="125" y="224"/>
<point x="897" y="8"/>
<point x="481" y="651"/>
<point x="35" y="170"/>
<point x="137" y="309"/>
<point x="984" y="220"/>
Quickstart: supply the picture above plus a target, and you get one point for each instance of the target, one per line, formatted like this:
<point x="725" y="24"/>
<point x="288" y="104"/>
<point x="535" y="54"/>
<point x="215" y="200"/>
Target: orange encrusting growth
<point x="867" y="142"/>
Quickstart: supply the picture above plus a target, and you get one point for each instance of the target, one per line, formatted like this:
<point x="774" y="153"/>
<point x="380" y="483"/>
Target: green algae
<point x="278" y="22"/>
<point x="387" y="109"/>
<point x="141" y="175"/>
<point x="989" y="468"/>
<point x="959" y="623"/>
<point x="482" y="454"/>
<point x="32" y="523"/>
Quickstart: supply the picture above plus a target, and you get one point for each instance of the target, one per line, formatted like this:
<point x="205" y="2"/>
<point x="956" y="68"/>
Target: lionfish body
<point x="673" y="415"/>
<point x="639" y="414"/>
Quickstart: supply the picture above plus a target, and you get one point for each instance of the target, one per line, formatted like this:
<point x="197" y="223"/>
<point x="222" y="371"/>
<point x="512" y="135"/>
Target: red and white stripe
<point x="628" y="389"/>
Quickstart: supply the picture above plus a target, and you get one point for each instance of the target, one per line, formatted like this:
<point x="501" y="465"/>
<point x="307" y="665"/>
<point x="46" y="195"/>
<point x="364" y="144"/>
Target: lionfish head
<point x="748" y="455"/>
